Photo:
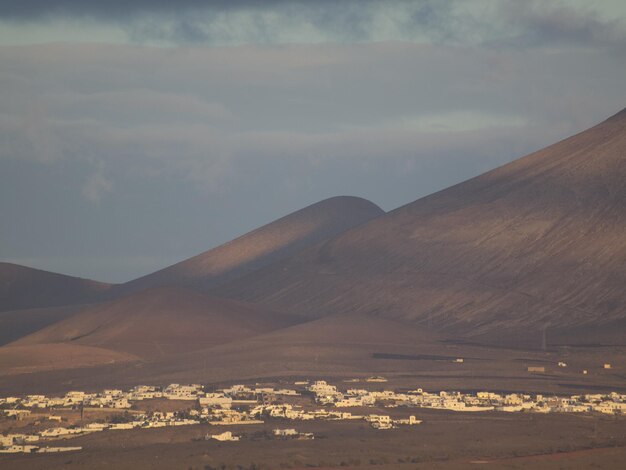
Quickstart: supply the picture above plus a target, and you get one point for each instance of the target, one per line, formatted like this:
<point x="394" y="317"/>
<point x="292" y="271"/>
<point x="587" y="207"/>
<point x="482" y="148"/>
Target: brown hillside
<point x="32" y="358"/>
<point x="339" y="347"/>
<point x="22" y="287"/>
<point x="160" y="321"/>
<point x="17" y="323"/>
<point x="262" y="246"/>
<point x="538" y="243"/>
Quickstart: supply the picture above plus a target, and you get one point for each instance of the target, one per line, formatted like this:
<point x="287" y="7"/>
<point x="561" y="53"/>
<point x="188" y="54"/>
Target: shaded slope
<point x="537" y="243"/>
<point x="15" y="324"/>
<point x="160" y="321"/>
<point x="22" y="287"/>
<point x="262" y="246"/>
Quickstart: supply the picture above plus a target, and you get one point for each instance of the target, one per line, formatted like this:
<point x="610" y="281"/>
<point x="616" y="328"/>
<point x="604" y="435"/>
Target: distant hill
<point x="536" y="244"/>
<point x="22" y="287"/>
<point x="34" y="358"/>
<point x="262" y="246"/>
<point x="158" y="322"/>
<point x="17" y="323"/>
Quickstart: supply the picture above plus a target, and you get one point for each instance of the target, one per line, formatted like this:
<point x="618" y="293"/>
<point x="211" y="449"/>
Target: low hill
<point x="160" y="321"/>
<point x="340" y="345"/>
<point x="336" y="347"/>
<point x="22" y="287"/>
<point x="533" y="245"/>
<point x="15" y="324"/>
<point x="262" y="246"/>
<point x="37" y="358"/>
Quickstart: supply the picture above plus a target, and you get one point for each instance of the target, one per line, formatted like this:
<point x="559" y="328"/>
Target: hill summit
<point x="22" y="287"/>
<point x="537" y="243"/>
<point x="262" y="246"/>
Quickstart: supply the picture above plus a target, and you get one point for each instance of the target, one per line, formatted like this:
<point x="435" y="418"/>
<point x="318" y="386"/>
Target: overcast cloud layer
<point x="178" y="130"/>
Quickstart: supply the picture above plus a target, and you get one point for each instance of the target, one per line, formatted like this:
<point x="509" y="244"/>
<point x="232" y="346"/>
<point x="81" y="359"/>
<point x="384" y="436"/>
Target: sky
<point x="137" y="133"/>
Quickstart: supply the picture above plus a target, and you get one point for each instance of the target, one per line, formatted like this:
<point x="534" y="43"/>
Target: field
<point x="444" y="440"/>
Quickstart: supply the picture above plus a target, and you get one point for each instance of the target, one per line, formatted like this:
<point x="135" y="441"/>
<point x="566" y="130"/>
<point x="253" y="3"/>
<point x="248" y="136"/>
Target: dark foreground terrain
<point x="444" y="440"/>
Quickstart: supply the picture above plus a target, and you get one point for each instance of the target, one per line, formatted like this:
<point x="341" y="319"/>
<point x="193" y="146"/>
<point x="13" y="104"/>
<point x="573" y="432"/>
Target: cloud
<point x="534" y="23"/>
<point x="295" y="22"/>
<point x="201" y="114"/>
<point x="96" y="186"/>
<point x="502" y="23"/>
<point x="37" y="9"/>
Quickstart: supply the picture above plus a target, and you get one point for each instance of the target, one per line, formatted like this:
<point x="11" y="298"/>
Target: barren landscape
<point x="510" y="282"/>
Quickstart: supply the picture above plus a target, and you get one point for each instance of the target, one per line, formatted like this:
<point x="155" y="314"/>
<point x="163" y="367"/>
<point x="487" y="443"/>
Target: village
<point x="252" y="405"/>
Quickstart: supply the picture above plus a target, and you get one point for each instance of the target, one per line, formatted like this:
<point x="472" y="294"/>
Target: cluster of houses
<point x="15" y="443"/>
<point x="246" y="405"/>
<point x="612" y="403"/>
<point x="289" y="433"/>
<point x="28" y="443"/>
<point x="263" y="404"/>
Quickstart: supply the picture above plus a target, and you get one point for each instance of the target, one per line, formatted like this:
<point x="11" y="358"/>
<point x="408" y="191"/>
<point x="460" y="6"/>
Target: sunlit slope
<point x="334" y="345"/>
<point x="22" y="287"/>
<point x="262" y="246"/>
<point x="34" y="358"/>
<point x="540" y="242"/>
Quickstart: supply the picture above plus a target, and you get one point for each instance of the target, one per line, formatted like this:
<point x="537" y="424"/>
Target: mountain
<point x="22" y="287"/>
<point x="537" y="244"/>
<point x="262" y="246"/>
<point x="159" y="321"/>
